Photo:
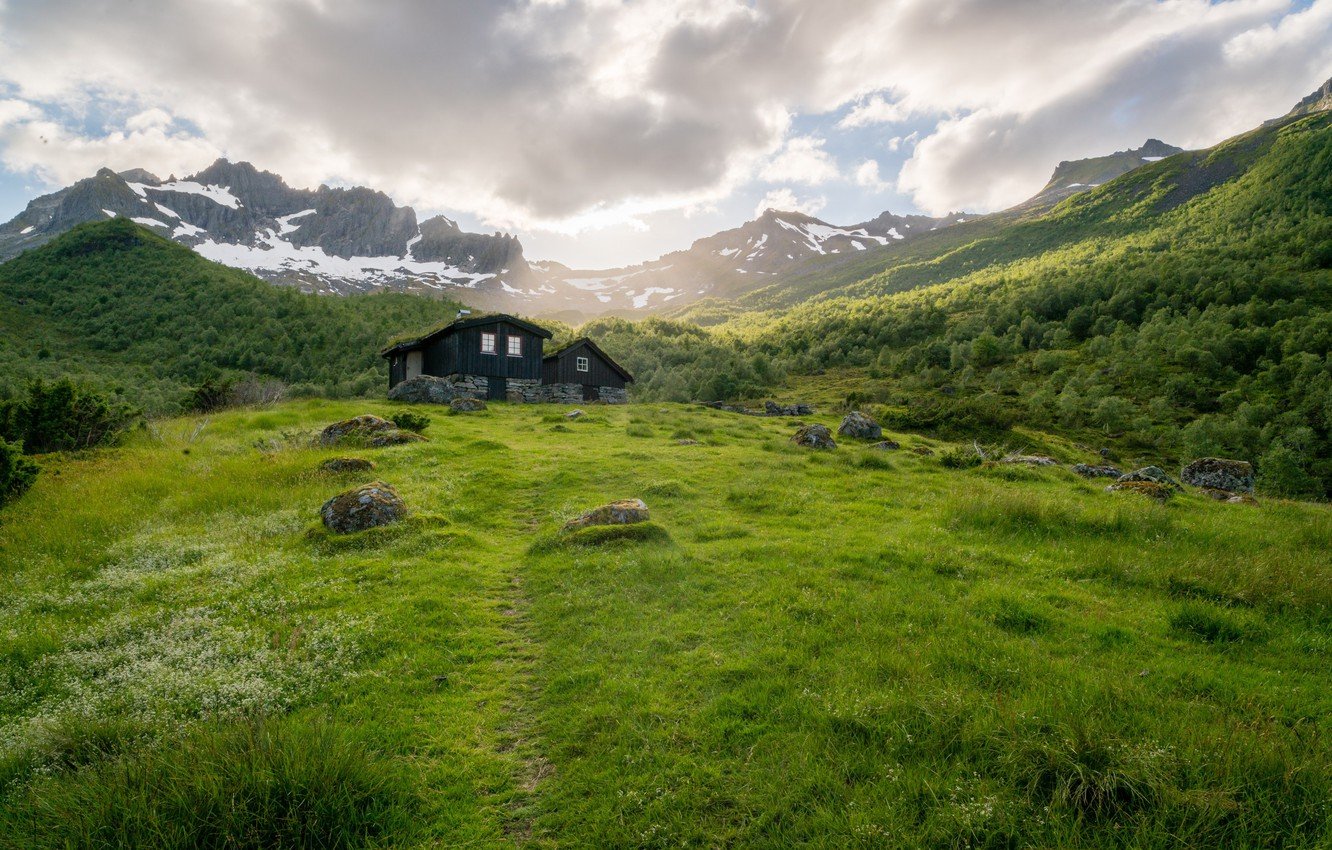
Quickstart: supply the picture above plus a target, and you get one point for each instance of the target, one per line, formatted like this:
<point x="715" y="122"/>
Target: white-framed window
<point x="515" y="346"/>
<point x="487" y="343"/>
<point x="581" y="364"/>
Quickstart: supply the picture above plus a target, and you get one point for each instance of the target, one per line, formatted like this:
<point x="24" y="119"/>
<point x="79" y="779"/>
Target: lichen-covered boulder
<point x="1234" y="476"/>
<point x="814" y="437"/>
<point x="425" y="389"/>
<point x="1089" y="471"/>
<point x="466" y="404"/>
<point x="859" y="426"/>
<point x="368" y="506"/>
<point x="338" y="465"/>
<point x="1151" y="489"/>
<point x="368" y="430"/>
<point x="887" y="446"/>
<point x="623" y="512"/>
<point x="1151" y="475"/>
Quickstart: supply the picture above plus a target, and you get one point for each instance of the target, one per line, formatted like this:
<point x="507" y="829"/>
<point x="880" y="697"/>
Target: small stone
<point x="1152" y="475"/>
<point x="368" y="506"/>
<point x="923" y="451"/>
<point x="688" y="442"/>
<point x="1157" y="492"/>
<point x="623" y="512"/>
<point x="338" y="465"/>
<point x="466" y="405"/>
<point x="574" y="414"/>
<point x="859" y="426"/>
<point x="814" y="437"/>
<point x="1089" y="471"/>
<point x="887" y="446"/>
<point x="1234" y="476"/>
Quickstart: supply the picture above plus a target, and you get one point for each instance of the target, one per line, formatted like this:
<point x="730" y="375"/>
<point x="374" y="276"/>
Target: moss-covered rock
<point x="814" y="437"/>
<point x="368" y="506"/>
<point x="367" y="430"/>
<point x="1233" y="476"/>
<point x="340" y="465"/>
<point x="1157" y="492"/>
<point x="623" y="512"/>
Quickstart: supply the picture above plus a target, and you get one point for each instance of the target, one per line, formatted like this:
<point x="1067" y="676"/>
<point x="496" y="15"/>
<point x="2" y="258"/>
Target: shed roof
<point x="582" y="340"/>
<point x="409" y="343"/>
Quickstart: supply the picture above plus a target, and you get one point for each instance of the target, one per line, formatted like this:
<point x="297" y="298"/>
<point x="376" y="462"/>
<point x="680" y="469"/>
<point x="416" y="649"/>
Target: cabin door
<point x="591" y="393"/>
<point x="499" y="389"/>
<point x="415" y="359"/>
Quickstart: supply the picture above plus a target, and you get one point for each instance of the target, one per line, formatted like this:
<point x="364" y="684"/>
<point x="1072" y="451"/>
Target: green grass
<point x="839" y="649"/>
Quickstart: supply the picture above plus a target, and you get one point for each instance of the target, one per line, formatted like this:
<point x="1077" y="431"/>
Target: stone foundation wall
<point x="472" y="386"/>
<point x="524" y="390"/>
<point x="562" y="393"/>
<point x="614" y="395"/>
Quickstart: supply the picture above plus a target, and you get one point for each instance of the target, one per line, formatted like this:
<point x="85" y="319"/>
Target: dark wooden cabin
<point x="499" y="347"/>
<point x="583" y="362"/>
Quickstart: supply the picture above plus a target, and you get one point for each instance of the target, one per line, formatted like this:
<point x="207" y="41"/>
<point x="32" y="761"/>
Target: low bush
<point x="62" y="416"/>
<point x="961" y="457"/>
<point x="410" y="421"/>
<point x="16" y="472"/>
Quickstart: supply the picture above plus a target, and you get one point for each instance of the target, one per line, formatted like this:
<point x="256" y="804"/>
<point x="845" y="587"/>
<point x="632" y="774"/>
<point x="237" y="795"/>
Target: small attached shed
<point x="581" y="371"/>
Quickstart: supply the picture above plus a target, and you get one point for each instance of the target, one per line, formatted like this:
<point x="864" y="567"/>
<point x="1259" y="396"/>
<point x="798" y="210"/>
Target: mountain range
<point x="346" y="240"/>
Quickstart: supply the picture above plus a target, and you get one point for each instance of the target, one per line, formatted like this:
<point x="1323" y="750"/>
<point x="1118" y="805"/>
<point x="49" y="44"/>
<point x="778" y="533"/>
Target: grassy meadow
<point x="851" y="648"/>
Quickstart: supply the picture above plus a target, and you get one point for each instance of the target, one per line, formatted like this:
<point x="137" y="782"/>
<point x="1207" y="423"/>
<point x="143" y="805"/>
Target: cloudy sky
<point x="608" y="132"/>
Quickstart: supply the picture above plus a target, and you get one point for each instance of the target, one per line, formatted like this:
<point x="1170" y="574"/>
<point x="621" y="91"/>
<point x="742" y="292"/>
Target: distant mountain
<point x="1071" y="177"/>
<point x="324" y="240"/>
<point x="730" y="263"/>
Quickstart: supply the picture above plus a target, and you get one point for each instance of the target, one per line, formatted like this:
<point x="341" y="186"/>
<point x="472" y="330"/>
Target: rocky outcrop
<point x="368" y="506"/>
<point x="1234" y="476"/>
<point x="860" y="427"/>
<point x="466" y="405"/>
<point x="624" y="512"/>
<point x="368" y="430"/>
<point x="1089" y="471"/>
<point x="772" y="408"/>
<point x="340" y="465"/>
<point x="814" y="437"/>
<point x="1151" y="475"/>
<point x="427" y="389"/>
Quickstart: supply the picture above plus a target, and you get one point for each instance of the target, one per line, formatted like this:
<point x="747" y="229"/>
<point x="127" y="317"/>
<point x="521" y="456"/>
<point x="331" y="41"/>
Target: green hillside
<point x="1185" y="309"/>
<point x="833" y="649"/>
<point x="113" y="303"/>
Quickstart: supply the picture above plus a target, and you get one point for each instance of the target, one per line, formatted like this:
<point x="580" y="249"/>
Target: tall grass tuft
<point x="288" y="783"/>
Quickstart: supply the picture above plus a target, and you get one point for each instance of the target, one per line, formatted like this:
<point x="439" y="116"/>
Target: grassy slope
<point x="843" y="649"/>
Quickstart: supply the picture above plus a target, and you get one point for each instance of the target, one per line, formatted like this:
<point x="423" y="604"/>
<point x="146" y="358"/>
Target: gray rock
<point x="426" y="389"/>
<point x="1152" y="474"/>
<point x="339" y="465"/>
<point x="859" y="426"/>
<point x="1234" y="476"/>
<point x="1089" y="471"/>
<point x="623" y="512"/>
<point x="887" y="446"/>
<point x="466" y="405"/>
<point x="772" y="408"/>
<point x="574" y="414"/>
<point x="368" y="506"/>
<point x="1029" y="460"/>
<point x="814" y="437"/>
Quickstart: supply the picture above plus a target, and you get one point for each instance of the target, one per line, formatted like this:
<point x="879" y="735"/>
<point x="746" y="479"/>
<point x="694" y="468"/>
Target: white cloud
<point x="584" y="113"/>
<point x="785" y="200"/>
<point x="867" y="176"/>
<point x="801" y="160"/>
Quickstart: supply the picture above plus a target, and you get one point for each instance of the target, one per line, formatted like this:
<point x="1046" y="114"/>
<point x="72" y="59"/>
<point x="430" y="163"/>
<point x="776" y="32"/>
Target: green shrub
<point x="410" y="421"/>
<point x="62" y="416"/>
<point x="16" y="472"/>
<point x="961" y="457"/>
<point x="1281" y="473"/>
<point x="252" y="784"/>
<point x="209" y="396"/>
